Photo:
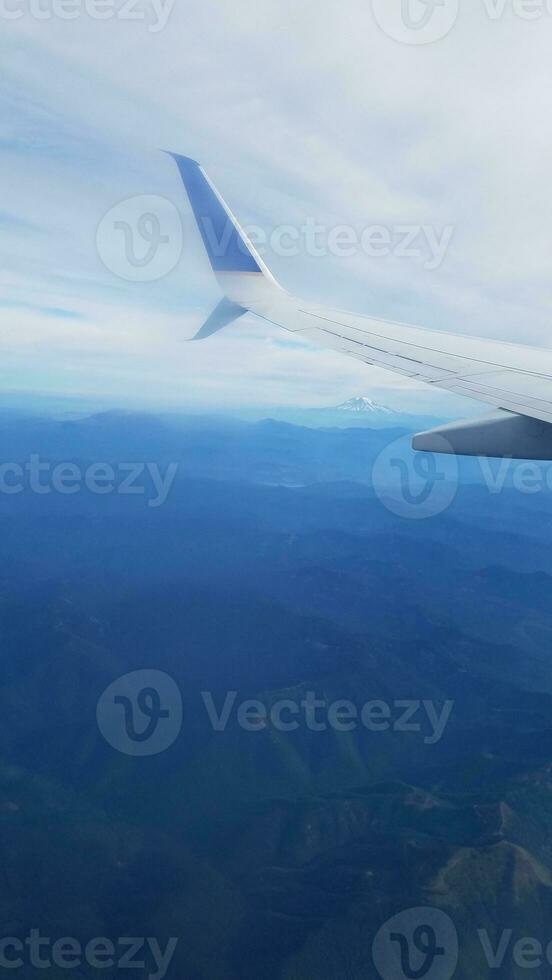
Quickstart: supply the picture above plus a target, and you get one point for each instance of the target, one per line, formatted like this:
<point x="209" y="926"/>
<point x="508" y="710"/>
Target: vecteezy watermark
<point x="414" y="485"/>
<point x="427" y="21"/>
<point x="417" y="944"/>
<point x="43" y="477"/>
<point x="154" y="13"/>
<point x="141" y="714"/>
<point x="524" y="476"/>
<point x="416" y="21"/>
<point x="422" y="485"/>
<point x="425" y="718"/>
<point x="422" y="943"/>
<point x="524" y="952"/>
<point x="527" y="10"/>
<point x="424" y="243"/>
<point x="126" y="953"/>
<point x="140" y="239"/>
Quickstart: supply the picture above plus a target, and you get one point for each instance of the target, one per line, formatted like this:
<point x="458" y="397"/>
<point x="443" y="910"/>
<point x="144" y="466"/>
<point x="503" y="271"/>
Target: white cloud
<point x="298" y="110"/>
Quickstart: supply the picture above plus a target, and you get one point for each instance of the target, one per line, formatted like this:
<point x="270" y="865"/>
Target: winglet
<point x="228" y="248"/>
<point x="222" y="315"/>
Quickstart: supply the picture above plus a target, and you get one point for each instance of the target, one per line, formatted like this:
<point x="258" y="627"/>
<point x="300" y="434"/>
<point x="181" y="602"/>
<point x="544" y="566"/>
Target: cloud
<point x="298" y="111"/>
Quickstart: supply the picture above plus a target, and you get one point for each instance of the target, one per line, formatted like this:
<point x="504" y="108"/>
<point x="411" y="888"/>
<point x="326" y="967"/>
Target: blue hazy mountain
<point x="271" y="569"/>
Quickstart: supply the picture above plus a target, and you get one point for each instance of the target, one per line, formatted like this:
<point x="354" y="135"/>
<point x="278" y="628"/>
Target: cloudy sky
<point x="435" y="157"/>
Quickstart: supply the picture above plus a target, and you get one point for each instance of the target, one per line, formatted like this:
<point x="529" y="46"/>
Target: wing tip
<point x="181" y="159"/>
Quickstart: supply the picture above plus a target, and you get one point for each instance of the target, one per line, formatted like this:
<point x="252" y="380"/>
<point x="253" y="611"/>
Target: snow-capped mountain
<point x="365" y="406"/>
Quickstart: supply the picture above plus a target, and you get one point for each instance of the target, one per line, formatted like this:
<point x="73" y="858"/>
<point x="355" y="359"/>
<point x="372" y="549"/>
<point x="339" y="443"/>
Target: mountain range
<point x="272" y="569"/>
<point x="362" y="404"/>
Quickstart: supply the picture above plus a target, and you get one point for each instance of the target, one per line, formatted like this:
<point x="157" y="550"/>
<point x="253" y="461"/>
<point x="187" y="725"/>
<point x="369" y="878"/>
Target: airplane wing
<point x="513" y="378"/>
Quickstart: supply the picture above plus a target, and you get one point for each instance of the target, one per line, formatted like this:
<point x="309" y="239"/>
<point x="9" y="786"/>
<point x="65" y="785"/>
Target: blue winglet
<point x="226" y="245"/>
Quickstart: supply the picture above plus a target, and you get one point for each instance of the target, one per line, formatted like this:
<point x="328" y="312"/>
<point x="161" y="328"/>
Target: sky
<point x="414" y="137"/>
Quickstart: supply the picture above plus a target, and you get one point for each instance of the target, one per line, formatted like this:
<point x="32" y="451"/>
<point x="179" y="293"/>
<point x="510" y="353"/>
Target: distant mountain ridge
<point x="273" y="570"/>
<point x="362" y="404"/>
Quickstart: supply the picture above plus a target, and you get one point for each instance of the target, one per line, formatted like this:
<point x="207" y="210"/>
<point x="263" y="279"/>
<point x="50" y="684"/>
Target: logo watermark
<point x="101" y="953"/>
<point x="424" y="243"/>
<point x="416" y="21"/>
<point x="524" y="952"/>
<point x="318" y="714"/>
<point x="141" y="238"/>
<point x="422" y="944"/>
<point x="125" y="478"/>
<point x="154" y="13"/>
<point x="526" y="10"/>
<point x="417" y="944"/>
<point x="140" y="714"/>
<point x="414" y="485"/>
<point x="420" y="485"/>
